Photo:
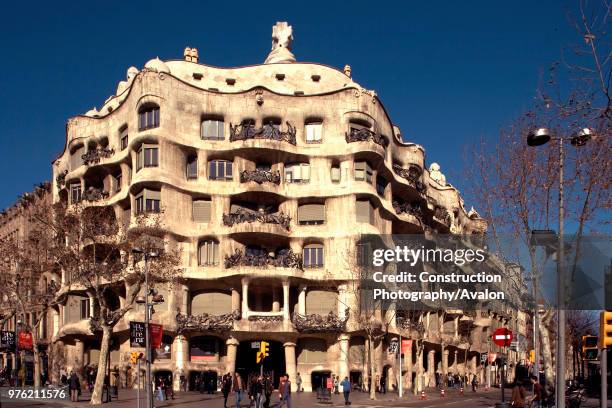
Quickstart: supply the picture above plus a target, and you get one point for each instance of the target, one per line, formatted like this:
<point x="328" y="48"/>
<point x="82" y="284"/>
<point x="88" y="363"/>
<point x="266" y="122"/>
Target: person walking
<point x="383" y="385"/>
<point x="346" y="390"/>
<point x="518" y="395"/>
<point x="74" y="385"/>
<point x="537" y="392"/>
<point x="268" y="389"/>
<point x="284" y="392"/>
<point x="336" y="384"/>
<point x="237" y="388"/>
<point x="298" y="382"/>
<point x="168" y="388"/>
<point x="226" y="387"/>
<point x="258" y="391"/>
<point x="474" y="383"/>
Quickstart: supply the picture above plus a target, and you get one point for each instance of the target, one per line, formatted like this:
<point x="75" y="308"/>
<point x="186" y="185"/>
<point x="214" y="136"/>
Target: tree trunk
<point x="419" y="370"/>
<point x="36" y="353"/>
<point x="372" y="368"/>
<point x="96" y="396"/>
<point x="546" y="353"/>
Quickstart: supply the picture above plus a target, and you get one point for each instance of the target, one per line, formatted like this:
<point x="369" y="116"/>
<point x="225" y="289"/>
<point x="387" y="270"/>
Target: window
<point x="356" y="126"/>
<point x="75" y="193"/>
<point x="209" y="253"/>
<point x="335" y="174"/>
<point x="85" y="311"/>
<point x="220" y="170"/>
<point x="123" y="139"/>
<point x="76" y="157"/>
<point x="116" y="182"/>
<point x="363" y="171"/>
<point x="201" y="210"/>
<point x="313" y="256"/>
<point x="314" y="131"/>
<point x="148" y="201"/>
<point x="381" y="185"/>
<point x="148" y="118"/>
<point x="311" y="214"/>
<point x="148" y="156"/>
<point x="192" y="167"/>
<point x="297" y="173"/>
<point x="365" y="211"/>
<point x="212" y="129"/>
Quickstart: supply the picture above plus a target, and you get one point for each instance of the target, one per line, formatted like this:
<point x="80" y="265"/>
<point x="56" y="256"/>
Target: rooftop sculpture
<point x="282" y="37"/>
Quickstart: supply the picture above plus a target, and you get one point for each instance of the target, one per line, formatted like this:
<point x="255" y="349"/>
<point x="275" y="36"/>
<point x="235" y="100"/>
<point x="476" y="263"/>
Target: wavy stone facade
<point x="266" y="240"/>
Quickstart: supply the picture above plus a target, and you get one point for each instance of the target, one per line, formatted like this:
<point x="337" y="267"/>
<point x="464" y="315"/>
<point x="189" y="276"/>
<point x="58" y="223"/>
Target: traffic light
<point x="532" y="356"/>
<point x="605" y="329"/>
<point x="264" y="351"/>
<point x="135" y="356"/>
<point x="589" y="347"/>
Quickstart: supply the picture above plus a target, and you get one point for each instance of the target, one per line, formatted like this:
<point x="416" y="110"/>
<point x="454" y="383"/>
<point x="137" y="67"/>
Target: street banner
<point x="330" y="383"/>
<point x="156" y="332"/>
<point x="7" y="340"/>
<point x="137" y="334"/>
<point x="393" y="346"/>
<point x="406" y="346"/>
<point x="25" y="341"/>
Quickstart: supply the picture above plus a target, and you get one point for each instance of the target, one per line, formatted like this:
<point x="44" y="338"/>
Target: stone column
<point x="431" y="366"/>
<point x="185" y="299"/>
<point x="302" y="299"/>
<point x="286" y="303"/>
<point x="56" y="322"/>
<point x="342" y="301"/>
<point x="445" y="361"/>
<point x="275" y="300"/>
<point x="181" y="355"/>
<point x="407" y="372"/>
<point x="474" y="364"/>
<point x="78" y="355"/>
<point x="245" y="298"/>
<point x="232" y="350"/>
<point x="290" y="362"/>
<point x="235" y="300"/>
<point x="343" y="360"/>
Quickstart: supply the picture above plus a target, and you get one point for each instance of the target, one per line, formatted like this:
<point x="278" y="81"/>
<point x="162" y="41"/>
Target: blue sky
<point x="448" y="72"/>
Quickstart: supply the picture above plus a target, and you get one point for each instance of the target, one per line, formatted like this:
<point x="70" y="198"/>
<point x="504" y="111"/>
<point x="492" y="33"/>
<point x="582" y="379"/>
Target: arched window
<point x="148" y="117"/>
<point x="208" y="253"/>
<point x="313" y="256"/>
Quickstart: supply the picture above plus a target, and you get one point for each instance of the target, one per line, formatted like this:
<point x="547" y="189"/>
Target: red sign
<point x="156" y="332"/>
<point x="502" y="337"/>
<point x="330" y="383"/>
<point x="406" y="346"/>
<point x="25" y="341"/>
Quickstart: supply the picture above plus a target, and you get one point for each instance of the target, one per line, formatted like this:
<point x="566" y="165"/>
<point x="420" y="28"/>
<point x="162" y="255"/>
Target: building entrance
<point x="246" y="363"/>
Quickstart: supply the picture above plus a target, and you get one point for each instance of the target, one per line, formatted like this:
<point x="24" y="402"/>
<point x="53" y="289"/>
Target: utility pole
<point x="560" y="398"/>
<point x="401" y="387"/>
<point x="603" y="400"/>
<point x="147" y="345"/>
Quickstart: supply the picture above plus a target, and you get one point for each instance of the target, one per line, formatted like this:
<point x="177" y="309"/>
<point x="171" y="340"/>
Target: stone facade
<point x="267" y="175"/>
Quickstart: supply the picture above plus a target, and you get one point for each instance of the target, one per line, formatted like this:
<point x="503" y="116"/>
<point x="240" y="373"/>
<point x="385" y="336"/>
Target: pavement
<point x="128" y="399"/>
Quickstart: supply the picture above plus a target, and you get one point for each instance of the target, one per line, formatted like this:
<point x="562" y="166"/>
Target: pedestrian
<point x="298" y="382"/>
<point x="383" y="385"/>
<point x="63" y="377"/>
<point x="474" y="383"/>
<point x="284" y="391"/>
<point x="183" y="381"/>
<point x="336" y="385"/>
<point x="258" y="391"/>
<point x="537" y="392"/>
<point x="226" y="386"/>
<point x="268" y="389"/>
<point x="237" y="387"/>
<point x="346" y="390"/>
<point x="518" y="395"/>
<point x="160" y="388"/>
<point x="74" y="387"/>
<point x="168" y="388"/>
<point x="377" y="383"/>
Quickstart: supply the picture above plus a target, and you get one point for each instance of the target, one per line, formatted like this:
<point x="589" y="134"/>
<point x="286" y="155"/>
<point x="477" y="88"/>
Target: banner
<point x="137" y="334"/>
<point x="7" y="340"/>
<point x="25" y="341"/>
<point x="156" y="332"/>
<point x="406" y="346"/>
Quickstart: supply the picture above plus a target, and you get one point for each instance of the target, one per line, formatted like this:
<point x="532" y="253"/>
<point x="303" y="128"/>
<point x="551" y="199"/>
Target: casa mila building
<point x="266" y="177"/>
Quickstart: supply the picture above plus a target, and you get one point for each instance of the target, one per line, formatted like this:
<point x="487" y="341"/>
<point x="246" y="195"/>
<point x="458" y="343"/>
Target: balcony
<point x="402" y="207"/>
<point x="315" y="323"/>
<point x="411" y="175"/>
<point x="260" y="176"/>
<point x="366" y="135"/>
<point x="206" y="322"/>
<point x="93" y="194"/>
<point x="94" y="156"/>
<point x="271" y="131"/>
<point x="242" y="215"/>
<point x="285" y="258"/>
<point x="442" y="215"/>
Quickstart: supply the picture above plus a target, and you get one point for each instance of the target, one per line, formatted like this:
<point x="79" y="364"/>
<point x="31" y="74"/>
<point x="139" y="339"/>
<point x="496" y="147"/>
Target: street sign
<point x="254" y="344"/>
<point x="406" y="346"/>
<point x="156" y="332"/>
<point x="137" y="334"/>
<point x="7" y="340"/>
<point x="514" y="345"/>
<point x="483" y="357"/>
<point x="25" y="341"/>
<point x="393" y="347"/>
<point x="502" y="337"/>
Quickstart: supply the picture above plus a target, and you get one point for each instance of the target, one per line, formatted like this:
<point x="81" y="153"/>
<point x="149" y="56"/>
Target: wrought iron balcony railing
<point x="94" y="194"/>
<point x="206" y="322"/>
<point x="414" y="209"/>
<point x="312" y="323"/>
<point x="246" y="131"/>
<point x="260" y="176"/>
<point x="443" y="215"/>
<point x="284" y="259"/>
<point x="412" y="175"/>
<point x="242" y="215"/>
<point x="94" y="156"/>
<point x="364" y="135"/>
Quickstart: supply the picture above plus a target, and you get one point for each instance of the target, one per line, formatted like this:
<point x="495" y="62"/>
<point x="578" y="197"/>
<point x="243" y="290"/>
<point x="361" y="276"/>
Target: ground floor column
<point x="407" y="368"/>
<point x="431" y="367"/>
<point x="290" y="363"/>
<point x="420" y="377"/>
<point x="302" y="299"/>
<point x="235" y="300"/>
<point x="232" y="350"/>
<point x="445" y="362"/>
<point x="181" y="356"/>
<point x="343" y="360"/>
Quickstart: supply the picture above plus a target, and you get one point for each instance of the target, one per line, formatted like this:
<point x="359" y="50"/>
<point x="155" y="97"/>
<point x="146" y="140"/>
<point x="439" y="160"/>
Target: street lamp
<point x="147" y="256"/>
<point x="539" y="137"/>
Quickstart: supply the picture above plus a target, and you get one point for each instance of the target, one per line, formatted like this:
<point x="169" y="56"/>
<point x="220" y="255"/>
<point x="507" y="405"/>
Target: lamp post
<point x="540" y="137"/>
<point x="147" y="256"/>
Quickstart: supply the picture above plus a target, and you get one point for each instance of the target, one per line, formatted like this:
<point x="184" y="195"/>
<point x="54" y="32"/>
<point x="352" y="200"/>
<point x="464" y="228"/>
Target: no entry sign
<point x="502" y="337"/>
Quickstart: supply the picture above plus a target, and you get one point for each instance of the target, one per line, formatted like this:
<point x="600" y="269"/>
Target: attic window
<point x="214" y="89"/>
<point x="197" y="75"/>
<point x="299" y="93"/>
<point x="280" y="77"/>
<point x="230" y="81"/>
<point x="316" y="78"/>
